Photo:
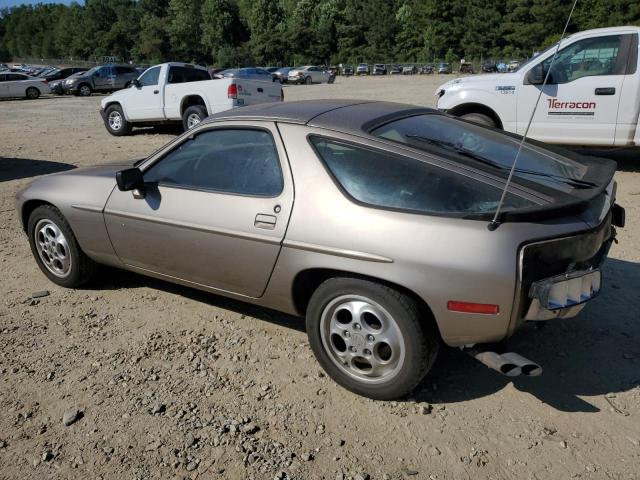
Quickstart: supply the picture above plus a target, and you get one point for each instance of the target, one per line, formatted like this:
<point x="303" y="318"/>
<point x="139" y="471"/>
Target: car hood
<point x="479" y="80"/>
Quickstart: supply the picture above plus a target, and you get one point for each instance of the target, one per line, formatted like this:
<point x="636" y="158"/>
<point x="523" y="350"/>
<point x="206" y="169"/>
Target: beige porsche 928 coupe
<point x="369" y="219"/>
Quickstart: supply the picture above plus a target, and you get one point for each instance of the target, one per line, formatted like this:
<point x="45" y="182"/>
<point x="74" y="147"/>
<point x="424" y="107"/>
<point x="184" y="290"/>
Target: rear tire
<point x="480" y="119"/>
<point x="32" y="93"/>
<point x="371" y="339"/>
<point x="56" y="249"/>
<point x="192" y="116"/>
<point x="115" y="122"/>
<point x="308" y="81"/>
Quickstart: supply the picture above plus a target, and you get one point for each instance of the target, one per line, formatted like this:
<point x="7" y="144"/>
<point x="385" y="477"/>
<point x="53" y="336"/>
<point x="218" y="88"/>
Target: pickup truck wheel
<point x="85" y="90"/>
<point x="371" y="339"/>
<point x="308" y="81"/>
<point x="32" y="93"/>
<point x="193" y="116"/>
<point x="480" y="119"/>
<point x="56" y="249"/>
<point x="115" y="122"/>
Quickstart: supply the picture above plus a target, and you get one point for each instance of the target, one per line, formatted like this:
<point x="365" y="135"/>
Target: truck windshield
<point x="472" y="144"/>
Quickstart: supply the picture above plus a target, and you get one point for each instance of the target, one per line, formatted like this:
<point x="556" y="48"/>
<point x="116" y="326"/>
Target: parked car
<point x="409" y="70"/>
<point x="214" y="209"/>
<point x="310" y="74"/>
<point x="250" y="73"/>
<point x="62" y="73"/>
<point x="347" y="70"/>
<point x="444" y="68"/>
<point x="334" y="70"/>
<point x="426" y="70"/>
<point x="271" y="69"/>
<point x="379" y="69"/>
<point x="362" y="69"/>
<point x="513" y="65"/>
<point x="4" y="66"/>
<point x="466" y="68"/>
<point x="595" y="101"/>
<point x="19" y="85"/>
<point x="104" y="78"/>
<point x="395" y="70"/>
<point x="282" y="75"/>
<point x="489" y="67"/>
<point x="179" y="92"/>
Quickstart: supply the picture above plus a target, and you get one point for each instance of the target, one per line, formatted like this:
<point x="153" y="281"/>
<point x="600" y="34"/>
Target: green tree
<point x="267" y="23"/>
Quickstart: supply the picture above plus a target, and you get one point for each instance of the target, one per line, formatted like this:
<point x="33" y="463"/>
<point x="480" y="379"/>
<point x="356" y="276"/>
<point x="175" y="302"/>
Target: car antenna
<point x="495" y="223"/>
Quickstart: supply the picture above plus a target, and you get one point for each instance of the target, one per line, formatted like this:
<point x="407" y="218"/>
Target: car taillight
<point x="232" y="91"/>
<point x="45" y="81"/>
<point x="469" y="307"/>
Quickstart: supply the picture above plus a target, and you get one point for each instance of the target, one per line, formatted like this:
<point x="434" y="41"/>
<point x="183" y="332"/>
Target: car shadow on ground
<point x="116" y="279"/>
<point x="594" y="354"/>
<point x="17" y="168"/>
<point x="168" y="129"/>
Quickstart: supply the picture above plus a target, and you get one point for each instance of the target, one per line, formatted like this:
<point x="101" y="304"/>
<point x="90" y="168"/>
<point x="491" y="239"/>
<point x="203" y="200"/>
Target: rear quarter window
<point x="386" y="180"/>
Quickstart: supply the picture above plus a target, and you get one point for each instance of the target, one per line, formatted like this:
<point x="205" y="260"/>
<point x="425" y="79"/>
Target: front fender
<point x="458" y="99"/>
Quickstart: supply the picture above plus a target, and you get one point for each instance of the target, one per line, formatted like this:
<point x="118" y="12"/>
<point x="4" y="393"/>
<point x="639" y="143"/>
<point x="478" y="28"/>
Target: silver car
<point x="310" y="74"/>
<point x="371" y="220"/>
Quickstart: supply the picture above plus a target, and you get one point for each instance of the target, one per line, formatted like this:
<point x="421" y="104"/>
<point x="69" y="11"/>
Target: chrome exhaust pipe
<point x="496" y="362"/>
<point x="527" y="367"/>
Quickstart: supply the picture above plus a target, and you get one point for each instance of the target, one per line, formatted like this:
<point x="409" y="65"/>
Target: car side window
<point x="196" y="75"/>
<point x="238" y="161"/>
<point x="150" y="77"/>
<point x="385" y="180"/>
<point x="586" y="58"/>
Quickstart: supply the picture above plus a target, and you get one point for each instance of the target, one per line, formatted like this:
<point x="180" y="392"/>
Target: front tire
<point x="193" y="116"/>
<point x="32" y="93"/>
<point x="85" y="90"/>
<point x="117" y="125"/>
<point x="480" y="119"/>
<point x="371" y="339"/>
<point x="308" y="81"/>
<point x="56" y="249"/>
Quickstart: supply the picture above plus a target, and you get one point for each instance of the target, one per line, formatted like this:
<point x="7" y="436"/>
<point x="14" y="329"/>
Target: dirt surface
<point x="161" y="381"/>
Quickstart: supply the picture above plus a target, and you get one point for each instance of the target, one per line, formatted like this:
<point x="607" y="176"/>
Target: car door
<point x="215" y="210"/>
<point x="580" y="102"/>
<point x="16" y="85"/>
<point x="145" y="101"/>
<point x="102" y="78"/>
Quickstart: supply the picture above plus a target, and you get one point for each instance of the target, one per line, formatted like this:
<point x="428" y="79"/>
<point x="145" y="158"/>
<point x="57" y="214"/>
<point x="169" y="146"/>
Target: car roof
<point x="348" y="116"/>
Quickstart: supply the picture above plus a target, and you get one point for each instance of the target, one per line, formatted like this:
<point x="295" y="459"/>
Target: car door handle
<point x="268" y="222"/>
<point x="606" y="91"/>
<point x="156" y="92"/>
<point x="260" y="89"/>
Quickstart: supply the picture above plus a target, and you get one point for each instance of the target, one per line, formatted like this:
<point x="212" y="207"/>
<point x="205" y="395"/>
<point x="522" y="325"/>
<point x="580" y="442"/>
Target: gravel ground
<point x="136" y="378"/>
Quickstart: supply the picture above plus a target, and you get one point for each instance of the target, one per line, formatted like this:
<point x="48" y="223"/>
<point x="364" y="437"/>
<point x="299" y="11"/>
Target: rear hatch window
<point x="558" y="174"/>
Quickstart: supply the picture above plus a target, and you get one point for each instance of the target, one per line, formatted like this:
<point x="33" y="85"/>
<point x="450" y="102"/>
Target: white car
<point x="180" y="92"/>
<point x="19" y="85"/>
<point x="592" y="95"/>
<point x="310" y="74"/>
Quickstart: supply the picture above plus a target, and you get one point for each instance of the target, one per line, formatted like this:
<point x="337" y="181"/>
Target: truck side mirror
<point x="535" y="76"/>
<point x="136" y="83"/>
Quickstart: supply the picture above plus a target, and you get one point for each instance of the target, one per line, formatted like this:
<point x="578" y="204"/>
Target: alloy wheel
<point x="362" y="339"/>
<point x="53" y="248"/>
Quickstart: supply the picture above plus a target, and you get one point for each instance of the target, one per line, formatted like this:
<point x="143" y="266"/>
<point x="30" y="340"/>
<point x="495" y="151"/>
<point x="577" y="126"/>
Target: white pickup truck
<point x="179" y="92"/>
<point x="592" y="96"/>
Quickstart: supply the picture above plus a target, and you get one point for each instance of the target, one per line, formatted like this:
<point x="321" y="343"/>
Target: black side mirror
<point x="536" y="75"/>
<point x="130" y="179"/>
<point x="136" y="83"/>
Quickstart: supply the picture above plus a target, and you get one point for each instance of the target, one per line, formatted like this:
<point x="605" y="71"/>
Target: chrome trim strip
<point x="198" y="228"/>
<point x="87" y="208"/>
<point x="340" y="252"/>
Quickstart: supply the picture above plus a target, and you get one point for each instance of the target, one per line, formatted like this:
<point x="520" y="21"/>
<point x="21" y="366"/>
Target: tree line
<point x="288" y="32"/>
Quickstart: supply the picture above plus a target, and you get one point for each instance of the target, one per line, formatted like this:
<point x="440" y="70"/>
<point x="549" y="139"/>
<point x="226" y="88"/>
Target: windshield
<point x="472" y="144"/>
<point x="92" y="71"/>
